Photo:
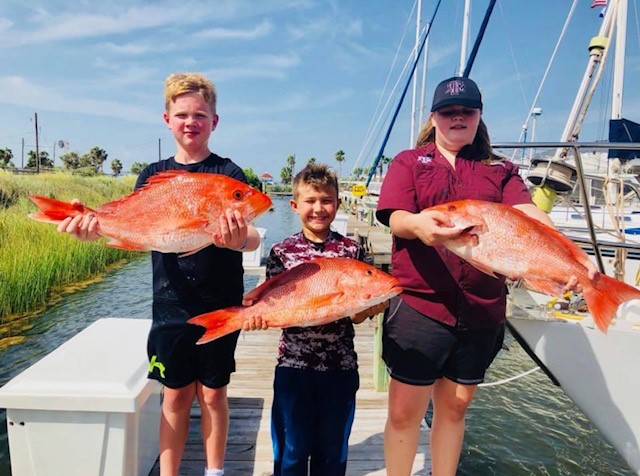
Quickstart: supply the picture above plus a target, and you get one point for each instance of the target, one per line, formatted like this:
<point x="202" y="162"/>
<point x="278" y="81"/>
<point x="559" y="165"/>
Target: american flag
<point x="598" y="3"/>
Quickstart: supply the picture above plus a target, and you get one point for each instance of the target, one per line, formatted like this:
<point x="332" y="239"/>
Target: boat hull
<point x="597" y="371"/>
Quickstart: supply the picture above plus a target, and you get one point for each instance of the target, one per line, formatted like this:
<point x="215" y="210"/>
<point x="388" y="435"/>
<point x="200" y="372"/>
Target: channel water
<point x="525" y="427"/>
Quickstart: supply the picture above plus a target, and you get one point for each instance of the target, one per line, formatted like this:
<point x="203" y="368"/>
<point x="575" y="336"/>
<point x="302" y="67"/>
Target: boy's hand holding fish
<point x="84" y="227"/>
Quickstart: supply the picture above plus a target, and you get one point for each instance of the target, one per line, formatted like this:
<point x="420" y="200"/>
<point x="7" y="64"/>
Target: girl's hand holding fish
<point x="430" y="226"/>
<point x="84" y="227"/>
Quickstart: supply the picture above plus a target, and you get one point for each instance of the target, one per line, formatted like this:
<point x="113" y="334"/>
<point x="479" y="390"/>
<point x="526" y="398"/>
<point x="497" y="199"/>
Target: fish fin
<point x="160" y="177"/>
<point x="484" y="268"/>
<point x="123" y="245"/>
<point x="54" y="211"/>
<point x="603" y="296"/>
<point x="544" y="285"/>
<point x="324" y="300"/>
<point x="189" y="253"/>
<point x="258" y="291"/>
<point x="218" y="323"/>
<point x="292" y="275"/>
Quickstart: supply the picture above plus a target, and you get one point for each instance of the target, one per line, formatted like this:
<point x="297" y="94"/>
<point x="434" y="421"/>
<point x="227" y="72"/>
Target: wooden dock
<point x="250" y="395"/>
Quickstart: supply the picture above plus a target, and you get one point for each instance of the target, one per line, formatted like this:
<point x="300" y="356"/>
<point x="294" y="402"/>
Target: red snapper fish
<point x="501" y="239"/>
<point x="174" y="212"/>
<point x="313" y="293"/>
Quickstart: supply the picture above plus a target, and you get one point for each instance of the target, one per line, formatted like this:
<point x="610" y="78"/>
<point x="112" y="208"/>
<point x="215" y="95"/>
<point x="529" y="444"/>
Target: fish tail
<point x="54" y="211"/>
<point x="218" y="323"/>
<point x="604" y="296"/>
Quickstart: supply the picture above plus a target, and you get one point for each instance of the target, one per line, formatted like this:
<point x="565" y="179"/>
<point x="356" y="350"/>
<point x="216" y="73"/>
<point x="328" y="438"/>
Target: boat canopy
<point x="623" y="130"/>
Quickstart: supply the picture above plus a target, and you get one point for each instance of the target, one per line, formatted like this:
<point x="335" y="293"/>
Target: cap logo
<point x="455" y="87"/>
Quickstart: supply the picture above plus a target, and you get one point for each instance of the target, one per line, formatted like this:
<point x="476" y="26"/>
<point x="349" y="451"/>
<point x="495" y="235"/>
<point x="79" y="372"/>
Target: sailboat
<point x="596" y="370"/>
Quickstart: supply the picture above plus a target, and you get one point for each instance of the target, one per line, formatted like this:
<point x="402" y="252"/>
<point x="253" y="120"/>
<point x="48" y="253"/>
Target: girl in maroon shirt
<point x="442" y="333"/>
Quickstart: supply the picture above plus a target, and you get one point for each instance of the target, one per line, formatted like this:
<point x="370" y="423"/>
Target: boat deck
<point x="250" y="396"/>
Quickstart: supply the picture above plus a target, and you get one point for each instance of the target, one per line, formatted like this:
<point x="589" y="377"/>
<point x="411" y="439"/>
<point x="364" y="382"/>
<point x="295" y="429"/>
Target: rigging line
<point x="404" y="92"/>
<point x="510" y="379"/>
<point x="512" y="51"/>
<point x="384" y="88"/>
<point x="476" y="45"/>
<point x="546" y="72"/>
<point x="372" y="130"/>
<point x="635" y="11"/>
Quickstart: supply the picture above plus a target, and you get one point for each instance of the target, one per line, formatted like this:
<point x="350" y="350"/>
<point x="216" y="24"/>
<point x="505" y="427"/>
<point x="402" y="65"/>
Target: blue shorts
<point x="419" y="350"/>
<point x="175" y="360"/>
<point x="311" y="420"/>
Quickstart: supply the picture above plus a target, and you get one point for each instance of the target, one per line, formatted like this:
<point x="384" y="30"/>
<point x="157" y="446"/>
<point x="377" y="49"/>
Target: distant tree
<point x="116" y="167"/>
<point x="96" y="157"/>
<point x="137" y="167"/>
<point x="5" y="156"/>
<point x="70" y="160"/>
<point x="291" y="162"/>
<point x="356" y="173"/>
<point x="252" y="178"/>
<point x="285" y="175"/>
<point x="340" y="159"/>
<point x="384" y="160"/>
<point x="312" y="160"/>
<point x="45" y="160"/>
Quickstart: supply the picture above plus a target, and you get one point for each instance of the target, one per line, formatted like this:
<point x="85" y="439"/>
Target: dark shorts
<point x="174" y="358"/>
<point x="419" y="350"/>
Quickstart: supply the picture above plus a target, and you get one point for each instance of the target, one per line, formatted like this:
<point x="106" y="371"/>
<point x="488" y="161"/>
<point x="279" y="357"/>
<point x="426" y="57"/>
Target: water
<point x="526" y="427"/>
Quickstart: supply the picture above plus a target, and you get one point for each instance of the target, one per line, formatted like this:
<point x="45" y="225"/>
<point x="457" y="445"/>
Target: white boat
<point x="596" y="370"/>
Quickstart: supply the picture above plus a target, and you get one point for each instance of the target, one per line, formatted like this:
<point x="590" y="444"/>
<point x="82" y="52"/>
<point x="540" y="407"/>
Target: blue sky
<point x="301" y="77"/>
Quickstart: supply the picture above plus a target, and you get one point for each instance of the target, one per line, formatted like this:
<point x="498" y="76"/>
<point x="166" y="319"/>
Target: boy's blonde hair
<point x="178" y="84"/>
<point x="317" y="176"/>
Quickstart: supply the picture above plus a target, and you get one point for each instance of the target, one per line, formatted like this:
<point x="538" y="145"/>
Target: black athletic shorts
<point x="419" y="350"/>
<point x="174" y="358"/>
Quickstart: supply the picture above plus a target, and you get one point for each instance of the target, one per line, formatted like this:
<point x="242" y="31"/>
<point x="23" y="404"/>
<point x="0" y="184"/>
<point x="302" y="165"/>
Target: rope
<point x="506" y="380"/>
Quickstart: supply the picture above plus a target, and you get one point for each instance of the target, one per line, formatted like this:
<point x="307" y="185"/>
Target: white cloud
<point x="260" y="30"/>
<point x="19" y="91"/>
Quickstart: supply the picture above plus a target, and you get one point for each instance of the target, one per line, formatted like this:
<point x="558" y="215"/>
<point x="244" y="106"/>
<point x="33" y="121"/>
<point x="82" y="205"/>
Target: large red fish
<point x="501" y="239"/>
<point x="174" y="212"/>
<point x="310" y="294"/>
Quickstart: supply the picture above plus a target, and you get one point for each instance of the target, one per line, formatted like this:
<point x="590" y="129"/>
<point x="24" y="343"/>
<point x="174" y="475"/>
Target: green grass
<point x="37" y="262"/>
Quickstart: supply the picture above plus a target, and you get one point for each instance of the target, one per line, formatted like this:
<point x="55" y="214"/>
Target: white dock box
<point x="87" y="408"/>
<point x="340" y="223"/>
<point x="253" y="259"/>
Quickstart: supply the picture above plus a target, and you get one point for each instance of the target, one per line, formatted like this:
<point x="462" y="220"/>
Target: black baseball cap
<point x="457" y="90"/>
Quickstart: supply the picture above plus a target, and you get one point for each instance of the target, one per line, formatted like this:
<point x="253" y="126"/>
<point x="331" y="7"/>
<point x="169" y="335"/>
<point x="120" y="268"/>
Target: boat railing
<point x="580" y="177"/>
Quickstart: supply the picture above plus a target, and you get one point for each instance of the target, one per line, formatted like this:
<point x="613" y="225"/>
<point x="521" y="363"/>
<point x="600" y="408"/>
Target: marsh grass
<point x="37" y="262"/>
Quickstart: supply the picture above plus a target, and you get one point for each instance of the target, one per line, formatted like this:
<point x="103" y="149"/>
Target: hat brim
<point x="473" y="103"/>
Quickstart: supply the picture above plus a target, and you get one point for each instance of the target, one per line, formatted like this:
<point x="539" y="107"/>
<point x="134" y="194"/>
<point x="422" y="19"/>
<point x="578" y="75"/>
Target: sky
<point x="294" y="77"/>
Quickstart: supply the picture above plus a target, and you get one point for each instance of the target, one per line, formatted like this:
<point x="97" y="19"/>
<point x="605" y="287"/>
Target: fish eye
<point x="238" y="195"/>
<point x="451" y="208"/>
<point x="369" y="272"/>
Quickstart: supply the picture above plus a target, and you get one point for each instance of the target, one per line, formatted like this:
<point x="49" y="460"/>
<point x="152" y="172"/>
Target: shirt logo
<point x="455" y="87"/>
<point x="425" y="159"/>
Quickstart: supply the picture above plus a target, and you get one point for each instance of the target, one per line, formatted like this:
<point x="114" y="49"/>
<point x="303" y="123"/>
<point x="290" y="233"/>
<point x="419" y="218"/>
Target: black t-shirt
<point x="212" y="276"/>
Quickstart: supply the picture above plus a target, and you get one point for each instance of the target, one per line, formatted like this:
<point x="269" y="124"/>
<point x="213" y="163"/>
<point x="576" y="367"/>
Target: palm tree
<point x="291" y="162"/>
<point x="312" y="160"/>
<point x="116" y="167"/>
<point x="340" y="159"/>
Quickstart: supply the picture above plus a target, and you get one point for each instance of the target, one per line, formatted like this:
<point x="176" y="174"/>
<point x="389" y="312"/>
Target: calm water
<point x="526" y="427"/>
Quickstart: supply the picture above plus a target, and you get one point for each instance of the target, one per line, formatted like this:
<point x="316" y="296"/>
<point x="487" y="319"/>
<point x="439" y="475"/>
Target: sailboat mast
<point x="415" y="76"/>
<point x="464" y="44"/>
<point x="618" y="62"/>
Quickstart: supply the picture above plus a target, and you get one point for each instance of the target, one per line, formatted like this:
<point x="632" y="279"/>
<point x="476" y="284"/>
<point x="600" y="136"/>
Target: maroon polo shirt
<point x="435" y="281"/>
